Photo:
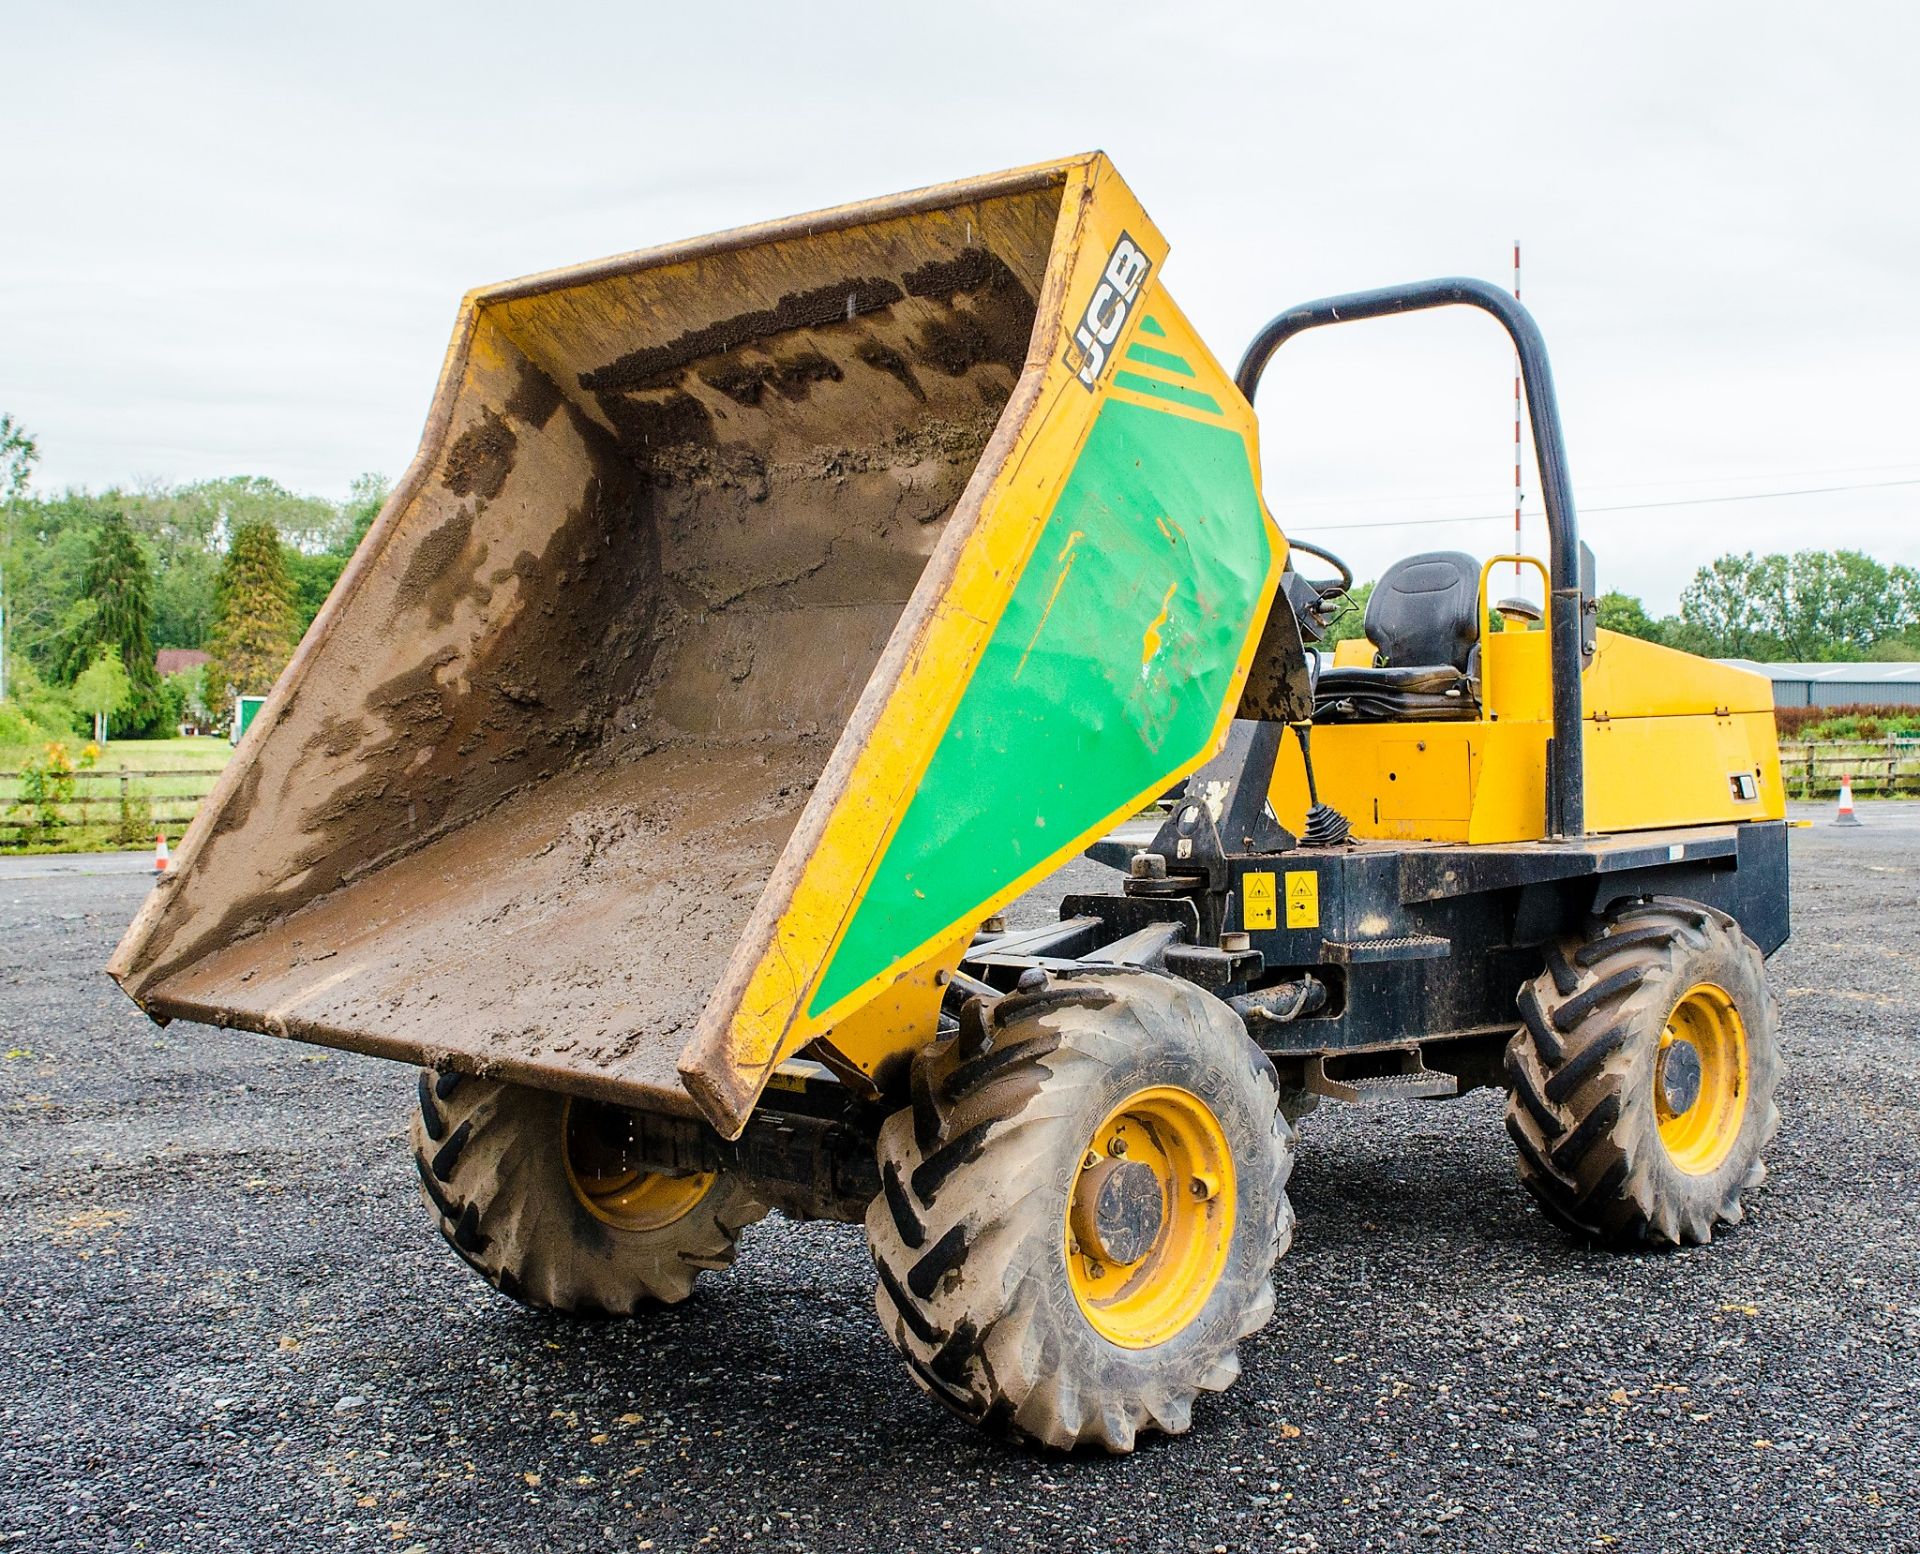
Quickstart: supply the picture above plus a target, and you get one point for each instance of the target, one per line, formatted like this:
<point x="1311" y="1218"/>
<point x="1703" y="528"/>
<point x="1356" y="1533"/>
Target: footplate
<point x="1414" y="1081"/>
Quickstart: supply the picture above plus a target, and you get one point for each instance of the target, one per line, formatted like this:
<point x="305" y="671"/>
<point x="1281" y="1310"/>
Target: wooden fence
<point x="1880" y="768"/>
<point x="132" y="805"/>
<point x="129" y="806"/>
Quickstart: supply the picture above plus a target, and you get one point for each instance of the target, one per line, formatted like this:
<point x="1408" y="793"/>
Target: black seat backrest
<point x="1425" y="612"/>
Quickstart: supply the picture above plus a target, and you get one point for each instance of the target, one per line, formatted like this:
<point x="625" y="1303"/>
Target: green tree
<point x="1832" y="604"/>
<point x="48" y="542"/>
<point x="1628" y="616"/>
<point x="1351" y="622"/>
<point x="188" y="687"/>
<point x="313" y="579"/>
<point x="184" y="530"/>
<point x="315" y="573"/>
<point x="49" y="708"/>
<point x="188" y="527"/>
<point x="223" y="507"/>
<point x="254" y="629"/>
<point x="103" y="690"/>
<point x="19" y="452"/>
<point x="1813" y="605"/>
<point x="1726" y="602"/>
<point x="365" y="497"/>
<point x="1690" y="637"/>
<point x="118" y="587"/>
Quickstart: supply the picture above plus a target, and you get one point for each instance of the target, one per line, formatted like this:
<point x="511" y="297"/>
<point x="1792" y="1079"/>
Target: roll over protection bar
<point x="1566" y="796"/>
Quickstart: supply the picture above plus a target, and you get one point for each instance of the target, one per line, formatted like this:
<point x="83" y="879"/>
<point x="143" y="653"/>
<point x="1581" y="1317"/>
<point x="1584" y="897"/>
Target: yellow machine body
<point x="1671" y="740"/>
<point x="764" y="611"/>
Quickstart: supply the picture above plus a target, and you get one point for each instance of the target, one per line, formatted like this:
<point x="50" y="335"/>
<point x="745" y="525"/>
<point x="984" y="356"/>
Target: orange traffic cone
<point x="160" y="852"/>
<point x="1846" y="816"/>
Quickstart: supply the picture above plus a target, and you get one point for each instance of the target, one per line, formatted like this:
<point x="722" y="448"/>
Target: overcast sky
<point x="234" y="236"/>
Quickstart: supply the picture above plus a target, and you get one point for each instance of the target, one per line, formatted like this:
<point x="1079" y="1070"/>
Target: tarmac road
<point x="226" y="1321"/>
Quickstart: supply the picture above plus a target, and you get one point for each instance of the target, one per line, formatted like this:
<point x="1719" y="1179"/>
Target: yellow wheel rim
<point x="599" y="1139"/>
<point x="1700" y="1079"/>
<point x="1150" y="1217"/>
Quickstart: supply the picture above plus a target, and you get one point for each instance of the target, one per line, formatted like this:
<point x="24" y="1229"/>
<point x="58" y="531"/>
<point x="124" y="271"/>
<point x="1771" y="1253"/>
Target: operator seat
<point x="1424" y="621"/>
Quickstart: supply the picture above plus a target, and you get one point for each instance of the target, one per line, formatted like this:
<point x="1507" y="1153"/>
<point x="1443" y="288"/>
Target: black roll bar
<point x="1566" y="796"/>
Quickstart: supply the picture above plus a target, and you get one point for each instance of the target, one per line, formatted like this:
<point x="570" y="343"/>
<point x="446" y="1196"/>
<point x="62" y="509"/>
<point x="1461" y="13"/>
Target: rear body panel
<point x="1670" y="740"/>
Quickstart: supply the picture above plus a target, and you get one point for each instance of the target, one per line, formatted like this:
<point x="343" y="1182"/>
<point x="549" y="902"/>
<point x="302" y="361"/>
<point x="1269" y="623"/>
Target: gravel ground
<point x="226" y="1322"/>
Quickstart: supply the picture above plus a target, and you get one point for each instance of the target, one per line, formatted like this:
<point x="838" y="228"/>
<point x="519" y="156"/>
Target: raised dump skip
<point x="517" y="804"/>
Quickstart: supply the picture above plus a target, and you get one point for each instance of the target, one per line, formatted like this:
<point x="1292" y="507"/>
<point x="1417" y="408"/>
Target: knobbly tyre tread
<point x="492" y="1171"/>
<point x="966" y="1232"/>
<point x="1580" y="1107"/>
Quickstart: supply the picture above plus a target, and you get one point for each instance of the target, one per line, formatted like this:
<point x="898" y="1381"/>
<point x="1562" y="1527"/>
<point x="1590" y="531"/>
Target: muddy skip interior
<point x="539" y="761"/>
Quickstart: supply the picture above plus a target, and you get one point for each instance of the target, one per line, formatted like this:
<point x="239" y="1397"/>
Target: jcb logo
<point x="1108" y="310"/>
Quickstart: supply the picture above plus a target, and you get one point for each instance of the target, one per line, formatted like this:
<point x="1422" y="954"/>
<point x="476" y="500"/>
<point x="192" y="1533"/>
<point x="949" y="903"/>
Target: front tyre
<point x="1641" y="1085"/>
<point x="531" y="1189"/>
<point x="1082" y="1209"/>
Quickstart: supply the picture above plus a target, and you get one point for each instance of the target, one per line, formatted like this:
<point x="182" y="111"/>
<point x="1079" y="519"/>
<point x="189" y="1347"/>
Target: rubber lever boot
<point x="1326" y="826"/>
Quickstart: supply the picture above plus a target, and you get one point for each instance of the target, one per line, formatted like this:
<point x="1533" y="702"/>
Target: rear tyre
<point x="1641" y="1085"/>
<point x="529" y="1188"/>
<point x="1082" y="1208"/>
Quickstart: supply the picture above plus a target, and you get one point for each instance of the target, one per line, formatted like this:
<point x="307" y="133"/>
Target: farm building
<point x="1839" y="685"/>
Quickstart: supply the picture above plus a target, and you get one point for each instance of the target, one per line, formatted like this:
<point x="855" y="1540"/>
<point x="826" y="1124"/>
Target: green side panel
<point x="1105" y="673"/>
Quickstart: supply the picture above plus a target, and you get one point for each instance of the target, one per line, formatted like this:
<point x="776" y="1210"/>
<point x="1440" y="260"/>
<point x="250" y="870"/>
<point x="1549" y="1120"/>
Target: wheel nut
<point x="1118" y="1147"/>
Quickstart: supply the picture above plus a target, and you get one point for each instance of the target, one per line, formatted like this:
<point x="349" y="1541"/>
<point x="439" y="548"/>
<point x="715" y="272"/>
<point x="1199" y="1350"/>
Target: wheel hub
<point x="1680" y="1074"/>
<point x="1150" y="1217"/>
<point x="599" y="1147"/>
<point x="1700" y="1079"/>
<point x="1118" y="1210"/>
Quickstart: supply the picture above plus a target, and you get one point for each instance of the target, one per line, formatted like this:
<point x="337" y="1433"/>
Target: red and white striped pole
<point x="1516" y="422"/>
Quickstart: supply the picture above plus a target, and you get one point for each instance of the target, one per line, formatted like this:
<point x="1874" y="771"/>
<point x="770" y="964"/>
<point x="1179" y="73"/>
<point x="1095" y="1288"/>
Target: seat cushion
<point x="1427" y="693"/>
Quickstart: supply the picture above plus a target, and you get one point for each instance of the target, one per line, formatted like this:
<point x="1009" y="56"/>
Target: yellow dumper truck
<point x="763" y="613"/>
